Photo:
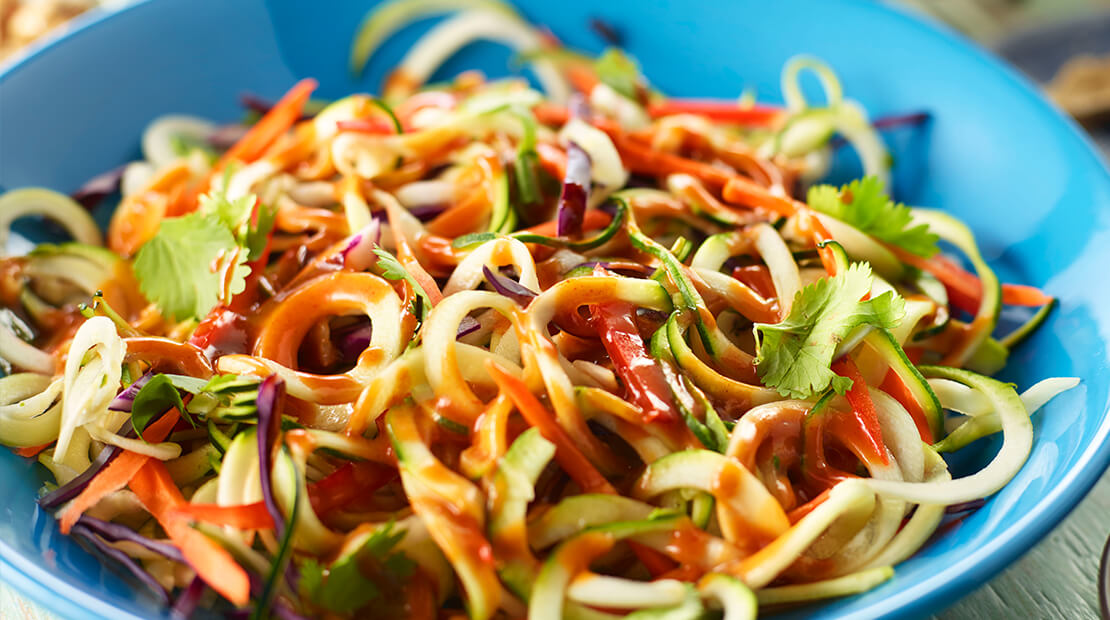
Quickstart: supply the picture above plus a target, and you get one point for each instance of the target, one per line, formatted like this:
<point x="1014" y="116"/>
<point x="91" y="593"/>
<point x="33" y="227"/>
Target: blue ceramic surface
<point x="996" y="154"/>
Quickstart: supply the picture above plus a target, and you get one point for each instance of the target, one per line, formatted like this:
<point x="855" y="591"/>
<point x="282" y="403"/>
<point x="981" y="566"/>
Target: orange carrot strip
<point x="582" y="78"/>
<point x="643" y="159"/>
<point x="725" y="111"/>
<point x="1022" y="295"/>
<point x="566" y="453"/>
<point x="32" y="451"/>
<point x="245" y="517"/>
<point x="408" y="258"/>
<point x="116" y="474"/>
<point x="739" y="190"/>
<point x="553" y="159"/>
<point x="273" y="124"/>
<point x="212" y="563"/>
<point x="592" y="220"/>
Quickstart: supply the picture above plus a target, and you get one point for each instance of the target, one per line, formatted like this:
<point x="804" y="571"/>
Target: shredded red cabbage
<point x="125" y="560"/>
<point x="468" y="325"/>
<point x="124" y="400"/>
<point x="227" y="136"/>
<point x="187" y="601"/>
<point x="270" y="403"/>
<point x="509" y="287"/>
<point x="575" y="194"/>
<point x="99" y="187"/>
<point x="73" y="488"/>
<point x="114" y="532"/>
<point x="358" y="254"/>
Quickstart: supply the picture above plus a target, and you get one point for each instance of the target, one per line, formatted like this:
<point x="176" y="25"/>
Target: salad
<point x="584" y="350"/>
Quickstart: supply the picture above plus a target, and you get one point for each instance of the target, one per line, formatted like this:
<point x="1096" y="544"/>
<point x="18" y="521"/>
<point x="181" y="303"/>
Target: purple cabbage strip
<point x="271" y="396"/>
<point x="575" y="194"/>
<point x="114" y="532"/>
<point x="187" y="601"/>
<point x="358" y="254"/>
<point x="509" y="287"/>
<point x="912" y="119"/>
<point x="468" y="325"/>
<point x="974" y="504"/>
<point x="427" y="212"/>
<point x="124" y="400"/>
<point x="99" y="187"/>
<point x="354" y="341"/>
<point x="227" y="136"/>
<point x="127" y="561"/>
<point x="73" y="488"/>
<point x="621" y="266"/>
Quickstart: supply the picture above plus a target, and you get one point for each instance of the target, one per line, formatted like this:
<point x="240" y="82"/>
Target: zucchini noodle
<point x="475" y="348"/>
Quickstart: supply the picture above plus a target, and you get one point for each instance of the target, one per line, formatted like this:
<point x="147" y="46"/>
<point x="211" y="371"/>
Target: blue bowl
<point x="996" y="154"/>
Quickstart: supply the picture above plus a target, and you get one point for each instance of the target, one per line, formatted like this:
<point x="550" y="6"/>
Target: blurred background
<point x="1062" y="45"/>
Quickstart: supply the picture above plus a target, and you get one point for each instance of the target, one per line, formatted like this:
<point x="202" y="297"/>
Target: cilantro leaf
<point x="155" y="397"/>
<point x="863" y="204"/>
<point x="236" y="216"/>
<point x="175" y="268"/>
<point x="615" y="69"/>
<point x="258" y="233"/>
<point x="392" y="269"/>
<point x="343" y="587"/>
<point x="794" y="356"/>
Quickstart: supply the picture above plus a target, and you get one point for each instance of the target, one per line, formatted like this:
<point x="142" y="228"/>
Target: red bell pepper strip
<point x="860" y="399"/>
<point x="349" y="482"/>
<point x="724" y="111"/>
<point x="893" y="385"/>
<point x="642" y="377"/>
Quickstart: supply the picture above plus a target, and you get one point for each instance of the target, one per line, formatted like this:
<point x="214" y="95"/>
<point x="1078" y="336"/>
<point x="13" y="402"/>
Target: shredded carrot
<point x="577" y="466"/>
<point x="552" y="159"/>
<point x="245" y="516"/>
<point x="273" y="124"/>
<point x="32" y="451"/>
<point x="1022" y="295"/>
<point x="566" y="453"/>
<point x="743" y="191"/>
<point x="725" y="111"/>
<point x="212" y="563"/>
<point x="592" y="220"/>
<point x="408" y="258"/>
<point x="796" y="515"/>
<point x="116" y="474"/>
<point x="582" y="77"/>
<point x="964" y="288"/>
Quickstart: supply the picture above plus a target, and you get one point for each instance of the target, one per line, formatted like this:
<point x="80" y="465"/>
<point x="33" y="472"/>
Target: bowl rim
<point x="935" y="593"/>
